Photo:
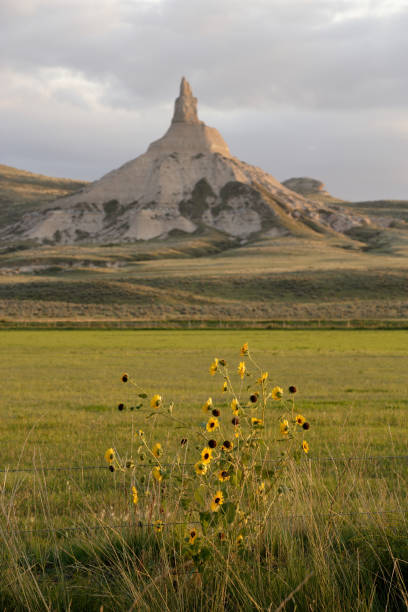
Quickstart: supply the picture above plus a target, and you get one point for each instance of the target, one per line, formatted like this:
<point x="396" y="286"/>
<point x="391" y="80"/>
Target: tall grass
<point x="340" y="535"/>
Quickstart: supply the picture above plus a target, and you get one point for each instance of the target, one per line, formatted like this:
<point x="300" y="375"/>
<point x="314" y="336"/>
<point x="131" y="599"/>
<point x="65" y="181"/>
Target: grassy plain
<point x="60" y="392"/>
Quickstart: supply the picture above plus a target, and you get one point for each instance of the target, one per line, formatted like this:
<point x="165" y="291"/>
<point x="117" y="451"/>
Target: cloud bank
<point x="299" y="87"/>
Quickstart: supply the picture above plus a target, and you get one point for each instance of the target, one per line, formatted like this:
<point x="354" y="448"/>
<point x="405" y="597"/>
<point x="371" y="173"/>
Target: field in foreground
<point x="338" y="525"/>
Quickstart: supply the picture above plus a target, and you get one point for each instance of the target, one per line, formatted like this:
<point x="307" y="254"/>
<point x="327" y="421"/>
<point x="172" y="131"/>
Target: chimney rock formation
<point x="186" y="181"/>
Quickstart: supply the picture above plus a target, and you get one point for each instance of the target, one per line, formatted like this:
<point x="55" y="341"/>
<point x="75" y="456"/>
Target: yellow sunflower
<point x="206" y="455"/>
<point x="156" y="401"/>
<point x="157" y="450"/>
<point x="300" y="419"/>
<point x="261" y="488"/>
<point x="192" y="535"/>
<point x="224" y="386"/>
<point x="200" y="468"/>
<point x="305" y="446"/>
<point x="227" y="446"/>
<point x="212" y="424"/>
<point x="223" y="476"/>
<point x="284" y="427"/>
<point x="256" y="421"/>
<point x="277" y="393"/>
<point x="239" y="539"/>
<point x="135" y="495"/>
<point x="157" y="474"/>
<point x="244" y="349"/>
<point x="109" y="455"/>
<point x="241" y="369"/>
<point x="158" y="526"/>
<point x="214" y="366"/>
<point x="208" y="405"/>
<point x="217" y="501"/>
<point x="263" y="377"/>
<point x="234" y="406"/>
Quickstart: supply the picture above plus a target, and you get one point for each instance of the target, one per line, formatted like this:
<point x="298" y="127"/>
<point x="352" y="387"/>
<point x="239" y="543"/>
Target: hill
<point x="22" y="191"/>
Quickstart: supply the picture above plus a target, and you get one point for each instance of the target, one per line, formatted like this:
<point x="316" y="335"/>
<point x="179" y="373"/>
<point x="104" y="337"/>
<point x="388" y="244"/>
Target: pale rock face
<point x="187" y="181"/>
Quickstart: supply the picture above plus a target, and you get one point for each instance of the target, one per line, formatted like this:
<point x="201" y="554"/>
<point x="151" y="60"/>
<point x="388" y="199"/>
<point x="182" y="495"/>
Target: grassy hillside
<point x="275" y="279"/>
<point x="21" y="191"/>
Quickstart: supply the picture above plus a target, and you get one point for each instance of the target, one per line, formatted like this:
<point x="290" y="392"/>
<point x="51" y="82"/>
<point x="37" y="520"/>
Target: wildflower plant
<point x="222" y="483"/>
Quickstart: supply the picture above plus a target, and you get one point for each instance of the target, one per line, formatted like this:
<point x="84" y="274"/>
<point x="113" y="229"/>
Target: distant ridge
<point x="22" y="191"/>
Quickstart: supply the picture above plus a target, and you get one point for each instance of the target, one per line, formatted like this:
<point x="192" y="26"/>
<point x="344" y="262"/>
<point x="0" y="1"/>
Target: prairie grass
<point x="337" y="532"/>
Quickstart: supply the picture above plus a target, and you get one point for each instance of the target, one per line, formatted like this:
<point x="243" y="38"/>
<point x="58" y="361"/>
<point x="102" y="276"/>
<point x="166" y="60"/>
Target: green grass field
<point x="59" y="397"/>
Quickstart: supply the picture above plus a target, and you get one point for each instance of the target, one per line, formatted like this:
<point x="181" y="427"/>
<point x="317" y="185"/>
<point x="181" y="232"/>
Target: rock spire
<point x="187" y="182"/>
<point x="185" y="107"/>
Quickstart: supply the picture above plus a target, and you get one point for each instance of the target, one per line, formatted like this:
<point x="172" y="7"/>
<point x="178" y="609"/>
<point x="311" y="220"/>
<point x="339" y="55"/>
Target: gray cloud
<point x="296" y="87"/>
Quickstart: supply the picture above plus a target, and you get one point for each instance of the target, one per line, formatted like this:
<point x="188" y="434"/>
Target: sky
<point x="315" y="88"/>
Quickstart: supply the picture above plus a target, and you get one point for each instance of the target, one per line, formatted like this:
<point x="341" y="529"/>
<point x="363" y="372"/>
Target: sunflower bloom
<point x="192" y="535"/>
<point x="225" y="386"/>
<point x="263" y="377"/>
<point x="234" y="406"/>
<point x="157" y="474"/>
<point x="305" y="446"/>
<point x="244" y="349"/>
<point x="208" y="405"/>
<point x="135" y="495"/>
<point x="239" y="539"/>
<point x="277" y="393"/>
<point x="109" y="455"/>
<point x="223" y="476"/>
<point x="141" y="434"/>
<point x="227" y="446"/>
<point x="261" y="488"/>
<point x="158" y="526"/>
<point x="157" y="450"/>
<point x="214" y="366"/>
<point x="156" y="401"/>
<point x="300" y="419"/>
<point x="241" y="369"/>
<point x="212" y="424"/>
<point x="284" y="427"/>
<point x="206" y="455"/>
<point x="200" y="468"/>
<point x="217" y="501"/>
<point x="256" y="422"/>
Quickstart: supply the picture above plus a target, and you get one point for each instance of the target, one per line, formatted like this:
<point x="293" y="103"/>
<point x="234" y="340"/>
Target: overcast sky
<point x="313" y="88"/>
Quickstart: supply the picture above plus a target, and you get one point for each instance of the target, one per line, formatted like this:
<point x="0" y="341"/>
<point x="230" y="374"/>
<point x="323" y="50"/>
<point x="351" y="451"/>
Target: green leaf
<point x="208" y="519"/>
<point x="229" y="510"/>
<point x="204" y="554"/>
